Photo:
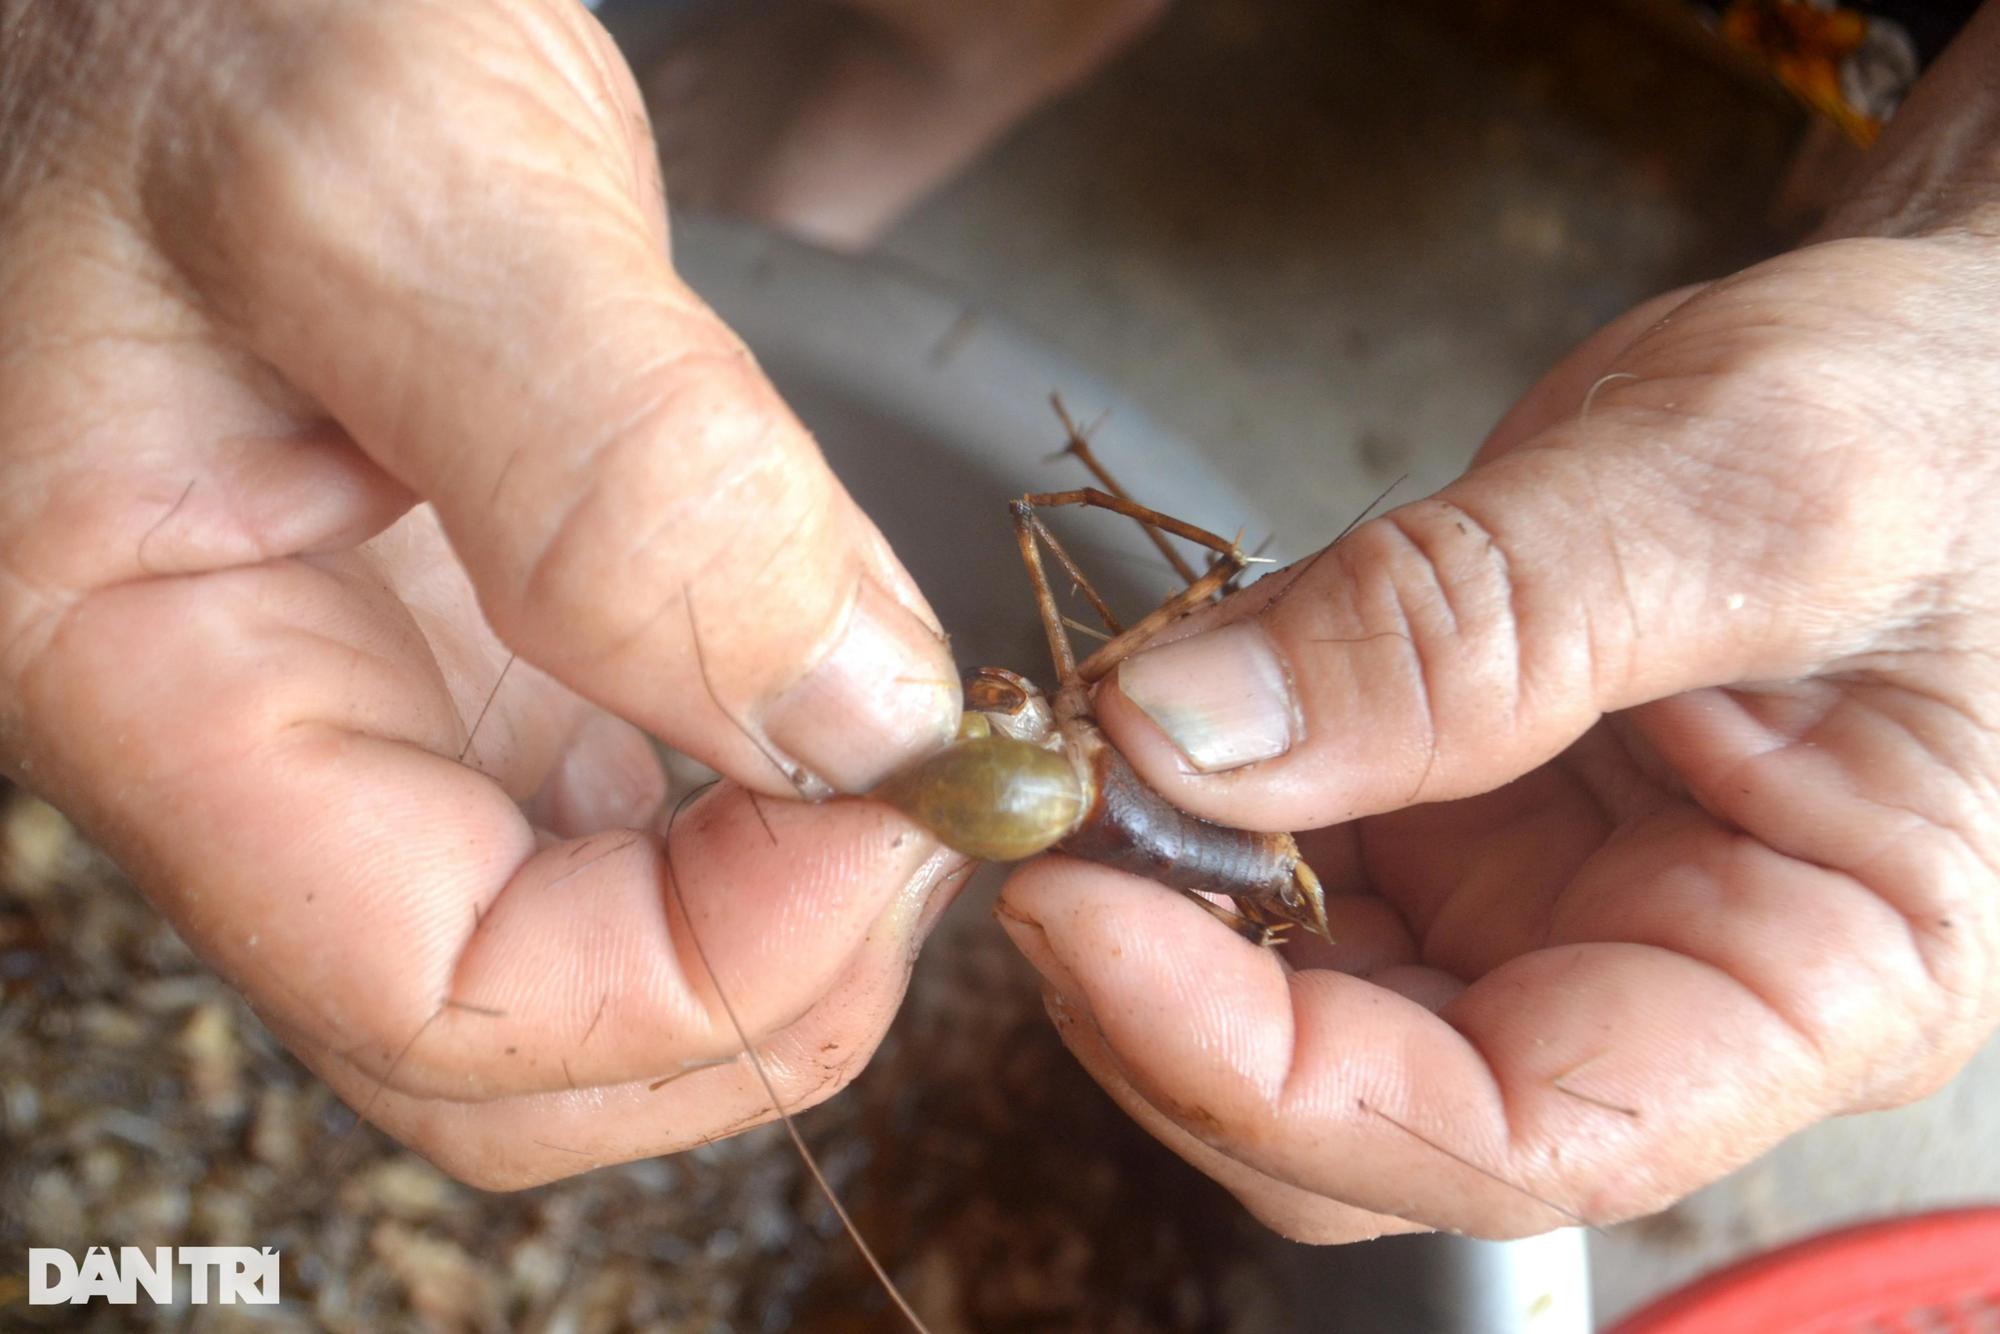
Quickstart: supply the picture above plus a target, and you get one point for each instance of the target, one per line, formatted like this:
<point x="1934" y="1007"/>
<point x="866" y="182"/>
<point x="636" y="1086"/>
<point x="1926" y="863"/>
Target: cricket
<point x="1030" y="772"/>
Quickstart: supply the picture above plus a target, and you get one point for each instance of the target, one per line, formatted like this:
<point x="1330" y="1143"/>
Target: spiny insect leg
<point x="1079" y="446"/>
<point x="1129" y="641"/>
<point x="1093" y="498"/>
<point x="1060" y="652"/>
<point x="1075" y="572"/>
<point x="1101" y="663"/>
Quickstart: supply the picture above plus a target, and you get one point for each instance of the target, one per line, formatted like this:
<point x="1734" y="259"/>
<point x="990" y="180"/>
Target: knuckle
<point x="1443" y="578"/>
<point x="1798" y="435"/>
<point x="699" y="476"/>
<point x="1777" y="376"/>
<point x="289" y="154"/>
<point x="266" y="123"/>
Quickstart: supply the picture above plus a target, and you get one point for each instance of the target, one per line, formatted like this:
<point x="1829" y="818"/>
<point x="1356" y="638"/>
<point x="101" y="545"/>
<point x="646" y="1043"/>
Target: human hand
<point x="1696" y="676"/>
<point x="273" y="274"/>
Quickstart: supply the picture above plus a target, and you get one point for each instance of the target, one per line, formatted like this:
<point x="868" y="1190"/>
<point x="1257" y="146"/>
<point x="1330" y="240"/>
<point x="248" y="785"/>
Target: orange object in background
<point x="1805" y="47"/>
<point x="1927" y="1274"/>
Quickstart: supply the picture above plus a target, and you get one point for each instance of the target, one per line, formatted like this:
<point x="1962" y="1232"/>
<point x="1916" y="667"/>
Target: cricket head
<point x="1009" y="704"/>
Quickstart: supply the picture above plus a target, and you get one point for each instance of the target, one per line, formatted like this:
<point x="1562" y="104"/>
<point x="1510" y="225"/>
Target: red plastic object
<point x="1930" y="1274"/>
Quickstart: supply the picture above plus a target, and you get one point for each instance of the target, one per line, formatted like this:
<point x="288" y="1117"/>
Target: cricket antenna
<point x="1301" y="571"/>
<point x="770" y="1086"/>
<point x="1372" y="506"/>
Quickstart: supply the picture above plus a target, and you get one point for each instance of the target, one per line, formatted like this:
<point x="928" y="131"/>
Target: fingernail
<point x="1223" y="697"/>
<point x="937" y="887"/>
<point x="885" y="693"/>
<point x="1032" y="939"/>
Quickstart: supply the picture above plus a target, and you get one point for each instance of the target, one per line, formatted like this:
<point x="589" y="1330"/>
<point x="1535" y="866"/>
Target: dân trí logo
<point x="225" y="1274"/>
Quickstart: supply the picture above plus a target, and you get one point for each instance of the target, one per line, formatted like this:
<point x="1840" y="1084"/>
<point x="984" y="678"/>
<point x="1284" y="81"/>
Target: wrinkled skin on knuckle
<point x="74" y="80"/>
<point x="216" y="124"/>
<point x="709" y="440"/>
<point x="1860" y="791"/>
<point x="1885" y="792"/>
<point x="1441" y="578"/>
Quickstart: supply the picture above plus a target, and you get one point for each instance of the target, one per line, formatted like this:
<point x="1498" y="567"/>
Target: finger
<point x="1652" y="1046"/>
<point x="641" y="514"/>
<point x="525" y="1139"/>
<point x="1571" y="387"/>
<point x="1284" y="1208"/>
<point x="1315" y="1079"/>
<point x="1726" y="512"/>
<point x="281" y="785"/>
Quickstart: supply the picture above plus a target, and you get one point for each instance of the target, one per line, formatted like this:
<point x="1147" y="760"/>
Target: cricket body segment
<point x="1132" y="827"/>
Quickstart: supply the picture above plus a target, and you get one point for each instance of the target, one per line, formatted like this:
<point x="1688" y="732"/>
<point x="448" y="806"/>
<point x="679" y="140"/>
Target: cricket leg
<point x="1070" y="567"/>
<point x="1060" y="653"/>
<point x="1232" y="561"/>
<point x="1246" y="923"/>
<point x="1078" y="445"/>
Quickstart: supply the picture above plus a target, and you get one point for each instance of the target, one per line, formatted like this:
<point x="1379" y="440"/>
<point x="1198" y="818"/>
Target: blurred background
<point x="1323" y="245"/>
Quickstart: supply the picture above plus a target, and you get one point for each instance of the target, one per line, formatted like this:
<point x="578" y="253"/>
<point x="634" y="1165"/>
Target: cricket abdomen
<point x="1133" y="828"/>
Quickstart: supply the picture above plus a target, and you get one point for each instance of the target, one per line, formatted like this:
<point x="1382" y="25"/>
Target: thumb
<point x="1690" y="501"/>
<point x="467" y="273"/>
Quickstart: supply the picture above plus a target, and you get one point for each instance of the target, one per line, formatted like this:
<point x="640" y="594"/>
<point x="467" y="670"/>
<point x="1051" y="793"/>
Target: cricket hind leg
<point x="1078" y="447"/>
<point x="1028" y="533"/>
<point x="1071" y="568"/>
<point x="1031" y="535"/>
<point x="1231" y="561"/>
